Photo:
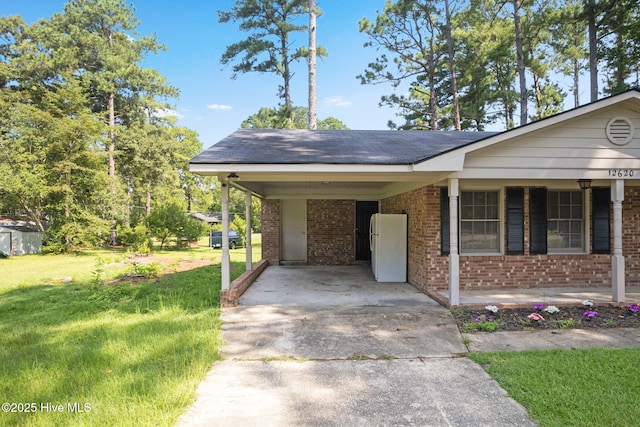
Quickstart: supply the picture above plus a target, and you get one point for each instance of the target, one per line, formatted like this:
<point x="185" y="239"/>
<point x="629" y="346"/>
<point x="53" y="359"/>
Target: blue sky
<point x="213" y="104"/>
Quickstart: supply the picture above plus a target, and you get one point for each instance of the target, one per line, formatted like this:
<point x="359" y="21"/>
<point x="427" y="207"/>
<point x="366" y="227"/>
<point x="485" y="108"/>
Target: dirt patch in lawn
<point x="151" y="268"/>
<point x="527" y="319"/>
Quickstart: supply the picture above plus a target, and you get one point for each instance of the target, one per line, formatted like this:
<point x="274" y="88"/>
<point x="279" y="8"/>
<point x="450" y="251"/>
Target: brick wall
<point x="427" y="269"/>
<point x="631" y="234"/>
<point x="270" y="220"/>
<point x="330" y="232"/>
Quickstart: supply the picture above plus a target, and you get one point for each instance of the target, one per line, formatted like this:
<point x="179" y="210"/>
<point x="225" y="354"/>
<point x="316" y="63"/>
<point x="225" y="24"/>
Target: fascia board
<point x="215" y="169"/>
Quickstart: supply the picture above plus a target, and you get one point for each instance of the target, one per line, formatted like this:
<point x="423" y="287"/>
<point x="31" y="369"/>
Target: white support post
<point x="225" y="261"/>
<point x="247" y="238"/>
<point x="454" y="257"/>
<point x="617" y="258"/>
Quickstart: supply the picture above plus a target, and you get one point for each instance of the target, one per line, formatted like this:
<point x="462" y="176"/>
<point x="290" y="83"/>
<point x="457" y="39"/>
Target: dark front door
<point x="364" y="210"/>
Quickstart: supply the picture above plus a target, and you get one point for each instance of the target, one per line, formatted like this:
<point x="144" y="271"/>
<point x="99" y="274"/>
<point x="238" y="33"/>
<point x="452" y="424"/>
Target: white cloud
<point x="167" y="112"/>
<point x="337" y="101"/>
<point x="221" y="107"/>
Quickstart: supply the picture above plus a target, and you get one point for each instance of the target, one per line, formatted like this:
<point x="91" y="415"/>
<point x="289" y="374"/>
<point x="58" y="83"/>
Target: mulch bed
<point x="516" y="319"/>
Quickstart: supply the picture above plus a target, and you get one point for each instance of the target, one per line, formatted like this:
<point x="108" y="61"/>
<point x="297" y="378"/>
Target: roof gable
<point x="629" y="100"/>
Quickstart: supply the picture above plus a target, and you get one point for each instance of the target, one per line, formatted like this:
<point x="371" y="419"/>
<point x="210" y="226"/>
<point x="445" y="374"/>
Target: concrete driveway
<point x="329" y="346"/>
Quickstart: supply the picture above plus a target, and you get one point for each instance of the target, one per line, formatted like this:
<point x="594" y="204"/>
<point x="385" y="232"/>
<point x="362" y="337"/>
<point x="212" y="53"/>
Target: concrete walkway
<point x="328" y="346"/>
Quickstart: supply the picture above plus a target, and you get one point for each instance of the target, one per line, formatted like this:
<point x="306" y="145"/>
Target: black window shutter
<point x="538" y="221"/>
<point x="444" y="221"/>
<point x="515" y="221"/>
<point x="600" y="217"/>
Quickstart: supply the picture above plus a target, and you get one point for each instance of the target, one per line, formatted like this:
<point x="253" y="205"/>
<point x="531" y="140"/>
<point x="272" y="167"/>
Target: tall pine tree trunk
<point x="312" y="66"/>
<point x="112" y="164"/>
<point x="590" y="9"/>
<point x="286" y="77"/>
<point x="452" y="68"/>
<point x="576" y="83"/>
<point x="520" y="63"/>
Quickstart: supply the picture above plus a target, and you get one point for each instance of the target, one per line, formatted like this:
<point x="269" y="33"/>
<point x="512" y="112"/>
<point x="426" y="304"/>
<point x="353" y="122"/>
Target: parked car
<point x="235" y="239"/>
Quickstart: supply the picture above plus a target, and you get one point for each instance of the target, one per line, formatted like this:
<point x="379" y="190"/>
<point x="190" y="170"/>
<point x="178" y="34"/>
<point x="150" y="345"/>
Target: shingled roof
<point x="373" y="147"/>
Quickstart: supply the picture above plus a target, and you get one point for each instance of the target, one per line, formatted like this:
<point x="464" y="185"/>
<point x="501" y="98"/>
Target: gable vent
<point x="620" y="130"/>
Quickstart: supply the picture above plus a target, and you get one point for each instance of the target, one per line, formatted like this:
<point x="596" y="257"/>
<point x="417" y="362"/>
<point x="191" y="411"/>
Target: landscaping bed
<point x="491" y="318"/>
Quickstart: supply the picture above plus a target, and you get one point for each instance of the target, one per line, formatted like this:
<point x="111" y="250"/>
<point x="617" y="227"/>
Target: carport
<point x="551" y="204"/>
<point x="322" y="178"/>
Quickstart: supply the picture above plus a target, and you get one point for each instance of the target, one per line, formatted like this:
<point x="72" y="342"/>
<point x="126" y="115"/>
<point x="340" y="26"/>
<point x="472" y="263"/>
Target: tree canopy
<point x="489" y="61"/>
<point x="296" y="118"/>
<point x="83" y="142"/>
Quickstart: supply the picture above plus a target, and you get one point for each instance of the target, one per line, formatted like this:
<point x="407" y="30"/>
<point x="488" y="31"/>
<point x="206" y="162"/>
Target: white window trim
<point x="501" y="218"/>
<point x="586" y="224"/>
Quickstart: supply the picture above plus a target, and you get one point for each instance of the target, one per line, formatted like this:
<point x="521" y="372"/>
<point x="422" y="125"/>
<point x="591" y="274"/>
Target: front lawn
<point x="101" y="352"/>
<point x="587" y="387"/>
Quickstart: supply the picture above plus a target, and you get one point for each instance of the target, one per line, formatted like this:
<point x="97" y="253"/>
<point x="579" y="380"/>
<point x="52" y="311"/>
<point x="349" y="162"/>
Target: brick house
<point x="536" y="206"/>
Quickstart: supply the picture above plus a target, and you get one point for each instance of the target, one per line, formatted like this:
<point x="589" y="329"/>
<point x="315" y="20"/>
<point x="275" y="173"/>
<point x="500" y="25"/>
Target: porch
<point x="562" y="296"/>
<point x="349" y="285"/>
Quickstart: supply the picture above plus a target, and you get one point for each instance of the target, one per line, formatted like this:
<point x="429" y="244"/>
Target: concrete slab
<point x="329" y="346"/>
<point x="339" y="333"/>
<point x="334" y="286"/>
<point x="432" y="392"/>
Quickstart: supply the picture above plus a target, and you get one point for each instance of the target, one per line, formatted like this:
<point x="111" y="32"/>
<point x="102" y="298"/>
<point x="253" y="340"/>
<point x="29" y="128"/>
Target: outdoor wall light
<point x="584" y="184"/>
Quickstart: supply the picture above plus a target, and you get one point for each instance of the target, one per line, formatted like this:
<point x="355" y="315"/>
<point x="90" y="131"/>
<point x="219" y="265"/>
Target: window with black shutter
<point x="601" y="220"/>
<point x="515" y="221"/>
<point x="538" y="221"/>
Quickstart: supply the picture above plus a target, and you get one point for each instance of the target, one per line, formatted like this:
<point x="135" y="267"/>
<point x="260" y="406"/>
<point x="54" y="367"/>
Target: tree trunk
<point x="452" y="69"/>
<point x="286" y="76"/>
<point x="590" y="9"/>
<point x="520" y="63"/>
<point x="576" y="83"/>
<point x="112" y="165"/>
<point x="312" y="66"/>
<point x="148" y="202"/>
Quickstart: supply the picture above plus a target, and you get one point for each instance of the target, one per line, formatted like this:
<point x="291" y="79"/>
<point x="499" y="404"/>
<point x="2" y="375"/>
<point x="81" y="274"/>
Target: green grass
<point x="133" y="352"/>
<point x="587" y="387"/>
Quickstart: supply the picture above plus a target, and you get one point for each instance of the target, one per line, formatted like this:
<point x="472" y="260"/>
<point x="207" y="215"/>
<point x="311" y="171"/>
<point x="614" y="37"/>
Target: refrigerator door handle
<point x="371" y="234"/>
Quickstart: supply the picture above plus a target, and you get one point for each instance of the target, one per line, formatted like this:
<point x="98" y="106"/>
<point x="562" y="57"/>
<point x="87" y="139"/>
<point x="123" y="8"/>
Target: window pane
<point x="479" y="221"/>
<point x="467" y="212"/>
<point x="492" y="212"/>
<point x="565" y="221"/>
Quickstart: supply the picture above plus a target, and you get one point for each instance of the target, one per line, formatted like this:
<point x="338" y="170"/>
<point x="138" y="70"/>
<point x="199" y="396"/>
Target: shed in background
<point x="19" y="238"/>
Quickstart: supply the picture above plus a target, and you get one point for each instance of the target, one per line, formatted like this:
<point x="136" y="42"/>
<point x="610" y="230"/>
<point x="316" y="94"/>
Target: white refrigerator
<point x="388" y="241"/>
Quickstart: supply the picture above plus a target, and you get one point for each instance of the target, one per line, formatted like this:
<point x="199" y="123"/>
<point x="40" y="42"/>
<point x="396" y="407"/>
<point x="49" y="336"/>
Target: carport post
<point x="225" y="267"/>
<point x="617" y="259"/>
<point x="454" y="257"/>
<point x="248" y="232"/>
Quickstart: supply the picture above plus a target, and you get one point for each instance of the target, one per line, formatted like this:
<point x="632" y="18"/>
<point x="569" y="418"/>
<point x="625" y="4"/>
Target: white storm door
<point x="294" y="230"/>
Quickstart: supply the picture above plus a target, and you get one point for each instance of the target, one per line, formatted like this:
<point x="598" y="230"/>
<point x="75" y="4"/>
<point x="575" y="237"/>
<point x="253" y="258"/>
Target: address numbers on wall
<point x="622" y="173"/>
